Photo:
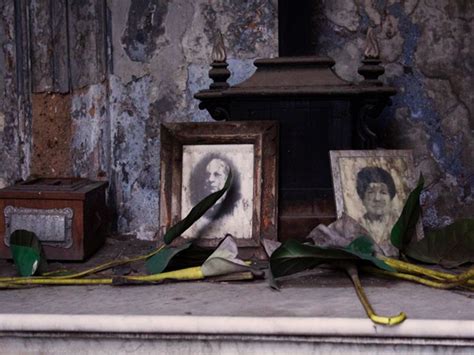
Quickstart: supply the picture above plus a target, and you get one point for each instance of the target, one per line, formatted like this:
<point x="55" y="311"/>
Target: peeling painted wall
<point x="135" y="64"/>
<point x="161" y="56"/>
<point x="428" y="52"/>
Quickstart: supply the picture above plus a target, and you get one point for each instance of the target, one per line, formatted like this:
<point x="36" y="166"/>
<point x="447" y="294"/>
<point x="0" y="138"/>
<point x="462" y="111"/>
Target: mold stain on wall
<point x="426" y="48"/>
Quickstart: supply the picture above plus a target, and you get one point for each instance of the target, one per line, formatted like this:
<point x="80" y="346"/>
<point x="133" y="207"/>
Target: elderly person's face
<point x="377" y="200"/>
<point x="217" y="171"/>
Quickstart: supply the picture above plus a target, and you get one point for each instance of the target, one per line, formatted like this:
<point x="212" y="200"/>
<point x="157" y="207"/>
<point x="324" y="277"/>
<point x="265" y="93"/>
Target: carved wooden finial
<point x="371" y="45"/>
<point x="218" y="51"/>
<point x="371" y="68"/>
<point x="219" y="72"/>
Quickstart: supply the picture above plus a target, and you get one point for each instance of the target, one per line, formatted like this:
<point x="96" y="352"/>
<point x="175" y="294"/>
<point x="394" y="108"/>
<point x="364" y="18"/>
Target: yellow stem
<point x="109" y="265"/>
<point x="415" y="269"/>
<point x="54" y="272"/>
<point x="414" y="278"/>
<point x="93" y="270"/>
<point x="55" y="281"/>
<point x="463" y="278"/>
<point x="394" y="320"/>
<point x="193" y="273"/>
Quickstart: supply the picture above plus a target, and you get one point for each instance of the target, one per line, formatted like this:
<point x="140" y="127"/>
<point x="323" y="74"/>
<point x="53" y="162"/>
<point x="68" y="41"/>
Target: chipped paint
<point x="427" y="63"/>
<point x="145" y="28"/>
<point x="135" y="166"/>
<point x="247" y="25"/>
<point x="156" y="84"/>
<point x="91" y="133"/>
<point x="342" y="13"/>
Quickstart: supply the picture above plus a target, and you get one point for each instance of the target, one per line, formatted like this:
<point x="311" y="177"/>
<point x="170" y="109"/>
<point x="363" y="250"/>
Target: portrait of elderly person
<point x="205" y="171"/>
<point x="213" y="172"/>
<point x="376" y="189"/>
<point x="217" y="171"/>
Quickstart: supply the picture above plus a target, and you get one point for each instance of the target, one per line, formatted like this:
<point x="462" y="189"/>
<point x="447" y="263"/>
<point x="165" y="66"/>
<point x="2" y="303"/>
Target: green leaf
<point x="449" y="247"/>
<point x="190" y="257"/>
<point x="404" y="229"/>
<point x="363" y="248"/>
<point x="294" y="256"/>
<point x="158" y="262"/>
<point x="196" y="212"/>
<point x="26" y="252"/>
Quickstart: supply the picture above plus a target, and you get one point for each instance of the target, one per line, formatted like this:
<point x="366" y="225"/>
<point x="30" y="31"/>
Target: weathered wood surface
<point x="68" y="43"/>
<point x="60" y="50"/>
<point x="87" y="42"/>
<point x="41" y="45"/>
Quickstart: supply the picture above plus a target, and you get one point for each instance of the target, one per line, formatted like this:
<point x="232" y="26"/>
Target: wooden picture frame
<point x="372" y="186"/>
<point x="192" y="152"/>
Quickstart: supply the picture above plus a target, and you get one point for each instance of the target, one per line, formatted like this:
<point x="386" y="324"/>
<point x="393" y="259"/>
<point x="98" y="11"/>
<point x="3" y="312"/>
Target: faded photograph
<point x="374" y="191"/>
<point x="205" y="170"/>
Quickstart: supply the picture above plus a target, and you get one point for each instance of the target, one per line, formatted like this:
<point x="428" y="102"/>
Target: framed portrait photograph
<point x="196" y="159"/>
<point x="371" y="186"/>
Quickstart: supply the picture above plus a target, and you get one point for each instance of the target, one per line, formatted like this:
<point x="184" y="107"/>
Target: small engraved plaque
<point x="52" y="226"/>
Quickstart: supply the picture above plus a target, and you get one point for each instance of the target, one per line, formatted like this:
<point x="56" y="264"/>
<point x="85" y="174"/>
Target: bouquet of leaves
<point x="449" y="247"/>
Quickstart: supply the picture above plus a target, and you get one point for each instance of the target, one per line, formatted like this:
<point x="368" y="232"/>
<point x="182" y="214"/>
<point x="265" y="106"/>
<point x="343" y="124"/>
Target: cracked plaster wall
<point x="159" y="54"/>
<point x="427" y="49"/>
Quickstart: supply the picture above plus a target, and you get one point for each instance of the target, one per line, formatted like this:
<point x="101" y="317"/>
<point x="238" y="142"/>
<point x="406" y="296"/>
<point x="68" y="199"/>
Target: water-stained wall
<point x="428" y="51"/>
<point x="105" y="73"/>
<point x="161" y="55"/>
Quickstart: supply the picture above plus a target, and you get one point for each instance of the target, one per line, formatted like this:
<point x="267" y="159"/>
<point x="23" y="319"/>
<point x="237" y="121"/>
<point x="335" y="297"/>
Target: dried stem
<point x="408" y="268"/>
<point x="192" y="273"/>
<point x="394" y="320"/>
<point x="409" y="277"/>
<point x="93" y="270"/>
<point x="415" y="269"/>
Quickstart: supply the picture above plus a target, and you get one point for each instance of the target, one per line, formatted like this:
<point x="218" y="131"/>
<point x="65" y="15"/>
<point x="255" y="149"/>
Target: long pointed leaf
<point x="294" y="256"/>
<point x="404" y="229"/>
<point x="450" y="246"/>
<point x="363" y="248"/>
<point x="158" y="262"/>
<point x="26" y="252"/>
<point x="196" y="212"/>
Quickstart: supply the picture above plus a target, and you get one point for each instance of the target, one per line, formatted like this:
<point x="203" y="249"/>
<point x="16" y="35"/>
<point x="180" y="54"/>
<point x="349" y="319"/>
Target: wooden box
<point x="68" y="215"/>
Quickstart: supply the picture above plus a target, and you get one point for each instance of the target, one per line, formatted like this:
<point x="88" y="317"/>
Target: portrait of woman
<point x="210" y="175"/>
<point x="205" y="170"/>
<point x="371" y="186"/>
<point x="376" y="189"/>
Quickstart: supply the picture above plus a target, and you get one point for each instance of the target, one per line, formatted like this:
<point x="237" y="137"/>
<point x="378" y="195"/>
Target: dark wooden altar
<point x="317" y="112"/>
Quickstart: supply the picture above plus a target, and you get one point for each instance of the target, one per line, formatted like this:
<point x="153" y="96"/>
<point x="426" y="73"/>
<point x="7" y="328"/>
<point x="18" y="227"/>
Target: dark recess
<point x="295" y="27"/>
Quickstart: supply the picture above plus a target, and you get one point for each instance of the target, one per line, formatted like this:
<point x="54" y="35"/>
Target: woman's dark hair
<point x="200" y="189"/>
<point x="368" y="175"/>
